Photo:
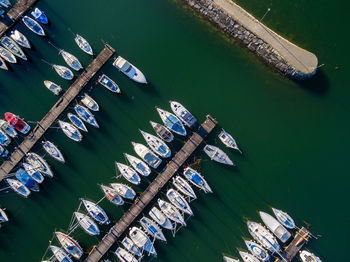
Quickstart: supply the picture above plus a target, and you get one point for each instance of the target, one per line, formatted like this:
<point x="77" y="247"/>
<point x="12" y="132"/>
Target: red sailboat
<point x="17" y="123"/>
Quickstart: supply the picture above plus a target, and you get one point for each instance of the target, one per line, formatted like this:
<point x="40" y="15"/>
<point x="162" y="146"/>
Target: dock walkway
<point x="152" y="190"/>
<point x="55" y="111"/>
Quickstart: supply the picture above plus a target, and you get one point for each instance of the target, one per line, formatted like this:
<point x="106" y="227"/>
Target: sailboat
<point x="257" y="250"/>
<point x="7" y="128"/>
<point x="183" y="187"/>
<point x="54" y="88"/>
<point x="128" y="173"/>
<point x="83" y="44"/>
<point x="33" y="172"/>
<point x="27" y="180"/>
<point x="284" y="218"/>
<point x="112" y="195"/>
<point x="5" y="3"/>
<point x="60" y="254"/>
<point x="160" y="218"/>
<point x="53" y="151"/>
<point x="196" y="179"/>
<point x="124" y="255"/>
<point x="172" y="122"/>
<point x="20" y="38"/>
<point x="141" y="167"/>
<point x="3" y="64"/>
<point x="87" y="224"/>
<point x="248" y="257"/>
<point x="33" y="25"/>
<point x="70" y="245"/>
<point x="230" y="259"/>
<point x="156" y="144"/>
<point x="71" y="60"/>
<point x="146" y="154"/>
<point x="124" y="190"/>
<point x="76" y="121"/>
<point x="4" y="139"/>
<point x="109" y="83"/>
<point x="71" y="131"/>
<point x="217" y="155"/>
<point x="276" y="228"/>
<point x="18" y="123"/>
<point x="39" y="164"/>
<point x="179" y="201"/>
<point x="90" y="103"/>
<point x="228" y="140"/>
<point x="7" y="55"/>
<point x="3" y="216"/>
<point x="142" y="240"/>
<point x="129" y="70"/>
<point x="96" y="212"/>
<point x="162" y="132"/>
<point x="18" y="187"/>
<point x="11" y="46"/>
<point x="152" y="228"/>
<point x="131" y="247"/>
<point x="307" y="256"/>
<point x="263" y="236"/>
<point x="86" y="115"/>
<point x="181" y="112"/>
<point x="171" y="212"/>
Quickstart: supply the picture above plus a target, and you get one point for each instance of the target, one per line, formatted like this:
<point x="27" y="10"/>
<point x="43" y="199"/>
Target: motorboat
<point x="71" y="60"/>
<point x="160" y="218"/>
<point x="87" y="224"/>
<point x="18" y="187"/>
<point x="172" y="122"/>
<point x="96" y="212"/>
<point x="27" y="180"/>
<point x="71" y="131"/>
<point x="90" y="103"/>
<point x="183" y="114"/>
<point x="60" y="254"/>
<point x="162" y="132"/>
<point x="142" y="240"/>
<point x="39" y="164"/>
<point x="109" y="84"/>
<point x="131" y="247"/>
<point x="275" y="227"/>
<point x="184" y="187"/>
<point x="7" y="55"/>
<point x="40" y="16"/>
<point x="196" y="179"/>
<point x="156" y="144"/>
<point x="33" y="25"/>
<point x="230" y="259"/>
<point x="285" y="219"/>
<point x="179" y="201"/>
<point x="5" y="3"/>
<point x="129" y="70"/>
<point x="76" y="121"/>
<point x="228" y="140"/>
<point x="124" y="190"/>
<point x="171" y="212"/>
<point x="4" y="139"/>
<point x="70" y="245"/>
<point x="33" y="172"/>
<point x="17" y="123"/>
<point x="146" y="154"/>
<point x="3" y="151"/>
<point x="128" y="173"/>
<point x="20" y="38"/>
<point x="248" y="257"/>
<point x="217" y="155"/>
<point x="263" y="236"/>
<point x="112" y="195"/>
<point x="3" y="64"/>
<point x="124" y="255"/>
<point x="53" y="151"/>
<point x="12" y="46"/>
<point x="3" y="216"/>
<point x="257" y="250"/>
<point x="63" y="72"/>
<point x="152" y="228"/>
<point x="141" y="167"/>
<point x="7" y="128"/>
<point x="54" y="88"/>
<point x="86" y="115"/>
<point x="307" y="256"/>
<point x="83" y="44"/>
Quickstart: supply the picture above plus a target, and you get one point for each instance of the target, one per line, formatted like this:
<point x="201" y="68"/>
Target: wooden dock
<point x="300" y="238"/>
<point x="55" y="111"/>
<point x="151" y="191"/>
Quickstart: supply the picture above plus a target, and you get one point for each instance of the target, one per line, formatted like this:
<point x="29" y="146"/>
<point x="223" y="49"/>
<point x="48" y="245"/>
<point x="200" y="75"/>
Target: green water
<point x="295" y="136"/>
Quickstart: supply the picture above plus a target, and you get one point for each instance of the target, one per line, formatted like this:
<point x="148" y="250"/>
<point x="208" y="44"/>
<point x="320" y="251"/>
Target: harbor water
<point x="294" y="135"/>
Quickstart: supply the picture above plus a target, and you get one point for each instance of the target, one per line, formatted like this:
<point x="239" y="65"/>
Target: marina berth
<point x="12" y="46"/>
<point x="112" y="195"/>
<point x="131" y="247"/>
<point x="146" y="154"/>
<point x="7" y="128"/>
<point x="4" y="139"/>
<point x="83" y="44"/>
<point x="257" y="250"/>
<point x="40" y="16"/>
<point x="39" y="164"/>
<point x="185" y="188"/>
<point x="124" y="190"/>
<point x="179" y="201"/>
<point x="77" y="122"/>
<point x="129" y="70"/>
<point x="141" y="167"/>
<point x="109" y="84"/>
<point x="228" y="140"/>
<point x="128" y="173"/>
<point x="27" y="180"/>
<point x="96" y="212"/>
<point x="263" y="236"/>
<point x="70" y="245"/>
<point x="3" y="64"/>
<point x="7" y="55"/>
<point x="156" y="144"/>
<point x="33" y="26"/>
<point x="162" y="132"/>
<point x="60" y="254"/>
<point x="17" y="123"/>
<point x="71" y="131"/>
<point x="3" y="216"/>
<point x="229" y="259"/>
<point x="196" y="179"/>
<point x="171" y="122"/>
<point x="248" y="257"/>
<point x="285" y="219"/>
<point x="181" y="112"/>
<point x="33" y="172"/>
<point x="142" y="240"/>
<point x="171" y="212"/>
<point x="160" y="218"/>
<point x="218" y="155"/>
<point x="152" y="228"/>
<point x="307" y="256"/>
<point x="276" y="228"/>
<point x="86" y="115"/>
<point x="124" y="255"/>
<point x="53" y="151"/>
<point x="90" y="103"/>
<point x="18" y="187"/>
<point x="20" y="39"/>
<point x="71" y="60"/>
<point x="56" y="89"/>
<point x="3" y="151"/>
<point x="87" y="224"/>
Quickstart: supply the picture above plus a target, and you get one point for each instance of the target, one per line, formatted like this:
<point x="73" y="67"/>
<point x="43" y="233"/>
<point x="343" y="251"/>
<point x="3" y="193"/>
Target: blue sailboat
<point x="27" y="180"/>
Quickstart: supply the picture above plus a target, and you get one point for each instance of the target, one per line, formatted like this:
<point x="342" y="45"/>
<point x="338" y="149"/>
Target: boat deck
<point x="300" y="238"/>
<point x="55" y="111"/>
<point x="152" y="190"/>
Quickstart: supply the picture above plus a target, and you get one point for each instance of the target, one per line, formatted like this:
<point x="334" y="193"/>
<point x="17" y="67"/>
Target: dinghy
<point x="7" y="55"/>
<point x="96" y="212"/>
<point x="160" y="218"/>
<point x="112" y="195"/>
<point x="131" y="247"/>
<point x="11" y="46"/>
<point x="18" y="187"/>
<point x="124" y="190"/>
<point x="172" y="122"/>
<point x="7" y="128"/>
<point x="60" y="254"/>
<point x="218" y="155"/>
<point x="257" y="250"/>
<point x="179" y="201"/>
<point x="275" y="227"/>
<point x="63" y="72"/>
<point x="5" y="3"/>
<point x="27" y="180"/>
<point x="39" y="164"/>
<point x="87" y="224"/>
<point x="128" y="173"/>
<point x="184" y="187"/>
<point x="3" y="64"/>
<point x="86" y="115"/>
<point x="70" y="245"/>
<point x="83" y="44"/>
<point x="228" y="140"/>
<point x="56" y="89"/>
<point x="71" y="60"/>
<point x="4" y="139"/>
<point x="181" y="112"/>
<point x="152" y="228"/>
<point x="109" y="84"/>
<point x="124" y="255"/>
<point x="33" y="25"/>
<point x="171" y="212"/>
<point x="129" y="70"/>
<point x="141" y="167"/>
<point x="156" y="144"/>
<point x="53" y="151"/>
<point x="307" y="256"/>
<point x="76" y="121"/>
<point x="33" y="172"/>
<point x="196" y="179"/>
<point x="142" y="240"/>
<point x="71" y="131"/>
<point x="284" y="218"/>
<point x="248" y="257"/>
<point x="20" y="38"/>
<point x="162" y="132"/>
<point x="263" y="236"/>
<point x="90" y="103"/>
<point x="146" y="154"/>
<point x="3" y="151"/>
<point x="17" y="123"/>
<point x="40" y="16"/>
<point x="3" y="216"/>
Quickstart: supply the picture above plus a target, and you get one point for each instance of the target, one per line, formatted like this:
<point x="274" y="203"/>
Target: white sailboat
<point x="87" y="224"/>
<point x="124" y="255"/>
<point x="217" y="155"/>
<point x="146" y="154"/>
<point x="90" y="103"/>
<point x="179" y="201"/>
<point x="71" y="60"/>
<point x="160" y="218"/>
<point x="307" y="256"/>
<point x="181" y="112"/>
<point x="54" y="88"/>
<point x="112" y="195"/>
<point x="248" y="257"/>
<point x="60" y="254"/>
<point x="263" y="236"/>
<point x="284" y="218"/>
<point x="276" y="228"/>
<point x="156" y="144"/>
<point x="20" y="38"/>
<point x="128" y="173"/>
<point x="141" y="167"/>
<point x="228" y="140"/>
<point x="152" y="228"/>
<point x="96" y="212"/>
<point x="171" y="212"/>
<point x="39" y="164"/>
<point x="131" y="247"/>
<point x="124" y="190"/>
<point x="83" y="44"/>
<point x="162" y="132"/>
<point x="71" y="131"/>
<point x="142" y="240"/>
<point x="53" y="151"/>
<point x="70" y="245"/>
